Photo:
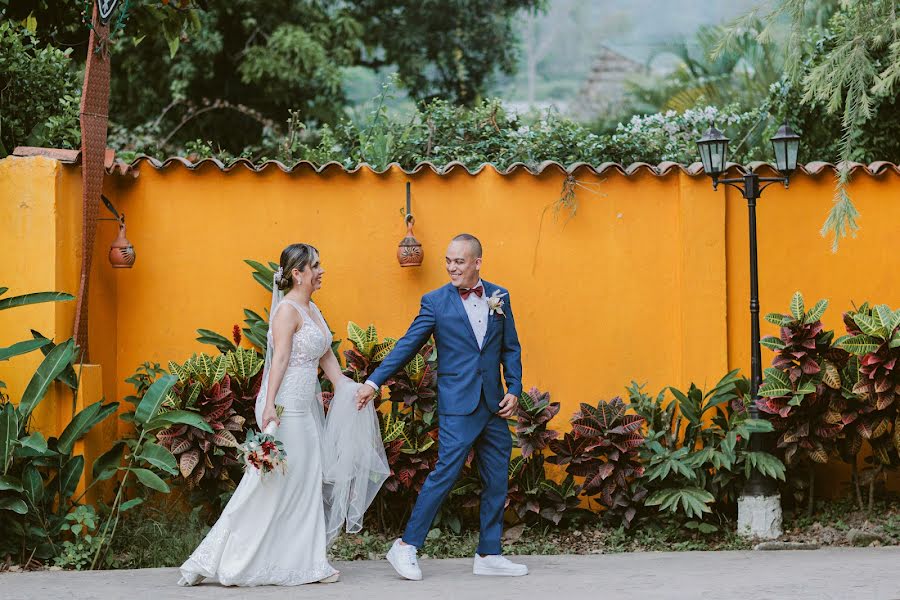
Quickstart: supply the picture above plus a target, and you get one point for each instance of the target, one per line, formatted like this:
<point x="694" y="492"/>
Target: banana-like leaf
<point x="262" y="274"/>
<point x="9" y="434"/>
<point x="150" y="479"/>
<point x="107" y="463"/>
<point x="68" y="377"/>
<point x="179" y="417"/>
<point x="35" y="442"/>
<point x="83" y="422"/>
<point x="33" y="485"/>
<point x="21" y="348"/>
<point x="158" y="457"/>
<point x="53" y="364"/>
<point x="10" y="483"/>
<point x="70" y="475"/>
<point x="17" y="505"/>
<point x="222" y="343"/>
<point x="129" y="504"/>
<point x="36" y="298"/>
<point x="153" y="399"/>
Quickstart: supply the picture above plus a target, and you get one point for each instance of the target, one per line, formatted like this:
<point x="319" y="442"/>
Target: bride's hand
<point x="269" y="415"/>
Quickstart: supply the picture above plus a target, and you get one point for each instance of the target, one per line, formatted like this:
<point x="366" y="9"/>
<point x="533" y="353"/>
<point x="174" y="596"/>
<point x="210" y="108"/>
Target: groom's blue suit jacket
<point x="465" y="371"/>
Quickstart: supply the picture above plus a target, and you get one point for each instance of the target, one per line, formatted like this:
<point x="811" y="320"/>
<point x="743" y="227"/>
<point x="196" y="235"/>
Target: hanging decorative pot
<point x="121" y="252"/>
<point x="409" y="251"/>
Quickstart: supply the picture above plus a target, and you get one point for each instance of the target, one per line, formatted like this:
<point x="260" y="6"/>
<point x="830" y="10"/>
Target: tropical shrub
<point x="222" y="392"/>
<point x="38" y="475"/>
<point x="696" y="454"/>
<point x="803" y="391"/>
<point x="873" y="338"/>
<point x="602" y="449"/>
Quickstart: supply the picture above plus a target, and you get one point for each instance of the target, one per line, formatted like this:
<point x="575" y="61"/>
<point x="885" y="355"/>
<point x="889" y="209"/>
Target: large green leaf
<point x="151" y="480"/>
<point x="70" y="475"/>
<point x="262" y="274"/>
<point x="36" y="298"/>
<point x="10" y="483"/>
<point x="219" y="341"/>
<point x="357" y="335"/>
<point x="33" y="485"/>
<point x="129" y="504"/>
<point x="83" y="422"/>
<point x="182" y="417"/>
<point x="107" y="463"/>
<point x="68" y="377"/>
<point x="9" y="434"/>
<point x="153" y="399"/>
<point x="17" y="505"/>
<point x="772" y="343"/>
<point x="868" y="325"/>
<point x="797" y="308"/>
<point x="857" y="344"/>
<point x="53" y="364"/>
<point x="816" y="312"/>
<point x="21" y="348"/>
<point x="35" y="442"/>
<point x="159" y="457"/>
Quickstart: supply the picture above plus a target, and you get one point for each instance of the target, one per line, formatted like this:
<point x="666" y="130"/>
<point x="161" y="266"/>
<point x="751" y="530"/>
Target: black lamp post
<point x="713" y="148"/>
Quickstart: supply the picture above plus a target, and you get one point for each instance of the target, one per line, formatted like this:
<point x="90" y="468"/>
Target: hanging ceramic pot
<point x="409" y="252"/>
<point x="121" y="252"/>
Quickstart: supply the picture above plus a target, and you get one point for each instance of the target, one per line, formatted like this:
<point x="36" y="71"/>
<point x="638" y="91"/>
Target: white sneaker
<point x="403" y="558"/>
<point x="495" y="564"/>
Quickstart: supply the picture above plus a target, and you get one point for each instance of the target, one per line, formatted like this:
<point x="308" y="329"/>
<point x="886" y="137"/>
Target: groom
<point x="475" y="333"/>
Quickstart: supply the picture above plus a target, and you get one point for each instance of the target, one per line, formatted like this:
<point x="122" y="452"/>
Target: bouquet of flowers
<point x="263" y="452"/>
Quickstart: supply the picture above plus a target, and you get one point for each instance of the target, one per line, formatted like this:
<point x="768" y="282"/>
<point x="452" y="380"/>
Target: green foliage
<point x="38" y="476"/>
<point x="39" y="92"/>
<point x="847" y="74"/>
<point x="208" y="410"/>
<point x="78" y="552"/>
<point x="697" y="449"/>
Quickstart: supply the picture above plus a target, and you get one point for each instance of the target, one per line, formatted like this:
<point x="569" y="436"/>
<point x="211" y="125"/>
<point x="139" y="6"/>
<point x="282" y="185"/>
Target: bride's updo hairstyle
<point x="295" y="256"/>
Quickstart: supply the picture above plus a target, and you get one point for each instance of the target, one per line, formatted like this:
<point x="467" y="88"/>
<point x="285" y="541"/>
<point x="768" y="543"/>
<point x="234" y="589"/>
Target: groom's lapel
<point x="489" y="289"/>
<point x="457" y="302"/>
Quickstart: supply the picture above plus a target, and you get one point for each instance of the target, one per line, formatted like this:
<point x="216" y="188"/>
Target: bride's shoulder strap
<point x="296" y="307"/>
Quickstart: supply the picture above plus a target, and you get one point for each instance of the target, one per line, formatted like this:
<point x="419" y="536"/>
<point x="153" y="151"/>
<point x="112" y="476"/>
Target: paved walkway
<point x="840" y="573"/>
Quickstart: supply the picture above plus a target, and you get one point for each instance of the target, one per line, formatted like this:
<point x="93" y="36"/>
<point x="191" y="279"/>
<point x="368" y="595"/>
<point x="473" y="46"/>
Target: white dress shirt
<point x="477" y="310"/>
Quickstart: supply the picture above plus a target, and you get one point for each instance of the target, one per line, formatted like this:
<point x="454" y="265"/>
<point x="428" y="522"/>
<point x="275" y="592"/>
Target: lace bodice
<point x="310" y="342"/>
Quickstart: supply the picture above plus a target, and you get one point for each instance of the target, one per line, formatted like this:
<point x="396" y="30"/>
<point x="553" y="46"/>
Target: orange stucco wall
<point x="649" y="281"/>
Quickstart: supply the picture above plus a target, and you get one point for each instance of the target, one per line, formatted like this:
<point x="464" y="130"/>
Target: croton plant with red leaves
<point x="802" y="389"/>
<point x="873" y="336"/>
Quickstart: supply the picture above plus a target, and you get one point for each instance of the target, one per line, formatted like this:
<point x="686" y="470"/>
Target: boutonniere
<point x="495" y="303"/>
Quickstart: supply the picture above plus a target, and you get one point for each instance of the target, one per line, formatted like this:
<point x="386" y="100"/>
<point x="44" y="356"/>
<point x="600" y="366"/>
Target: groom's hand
<point x="508" y="406"/>
<point x="364" y="395"/>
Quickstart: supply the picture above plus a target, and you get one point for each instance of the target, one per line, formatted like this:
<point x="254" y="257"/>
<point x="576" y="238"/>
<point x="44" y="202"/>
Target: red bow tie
<point x="466" y="292"/>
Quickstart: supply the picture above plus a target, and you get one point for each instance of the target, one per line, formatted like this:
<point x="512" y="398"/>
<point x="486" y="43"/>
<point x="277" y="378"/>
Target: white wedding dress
<point x="275" y="530"/>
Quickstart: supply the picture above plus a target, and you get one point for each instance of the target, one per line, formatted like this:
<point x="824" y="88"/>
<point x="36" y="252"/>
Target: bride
<point x="276" y="529"/>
